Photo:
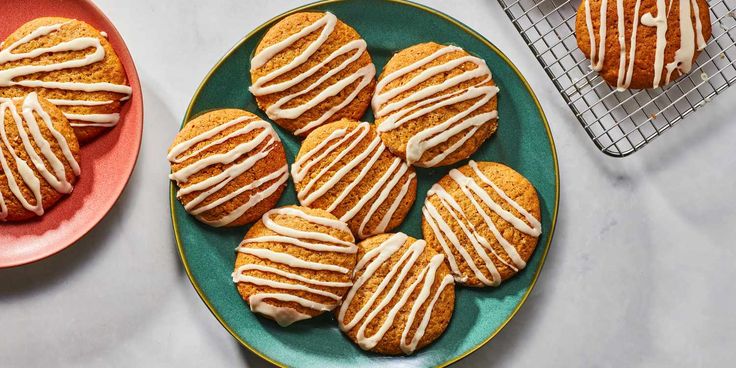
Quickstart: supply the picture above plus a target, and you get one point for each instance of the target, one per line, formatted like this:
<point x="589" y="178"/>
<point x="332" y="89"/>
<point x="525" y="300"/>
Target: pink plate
<point x="107" y="163"/>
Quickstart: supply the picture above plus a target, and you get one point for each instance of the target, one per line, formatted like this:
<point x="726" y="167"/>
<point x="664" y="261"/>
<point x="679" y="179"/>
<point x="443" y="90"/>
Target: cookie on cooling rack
<point x="344" y="168"/>
<point x="230" y="167"/>
<point x="435" y="104"/>
<point x="642" y="43"/>
<point x="310" y="69"/>
<point x="295" y="264"/>
<point x="402" y="297"/>
<point x="71" y="64"/>
<point x="39" y="157"/>
<point x="484" y="217"/>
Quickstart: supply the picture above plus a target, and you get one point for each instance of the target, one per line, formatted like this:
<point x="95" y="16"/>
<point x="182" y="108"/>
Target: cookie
<point x="484" y="217"/>
<point x="39" y="157"/>
<point x="344" y="168"/>
<point x="230" y="167"/>
<point x="295" y="264"/>
<point x="71" y="64"/>
<point x="435" y="105"/>
<point x="310" y="69"/>
<point x="642" y="43"/>
<point x="402" y="297"/>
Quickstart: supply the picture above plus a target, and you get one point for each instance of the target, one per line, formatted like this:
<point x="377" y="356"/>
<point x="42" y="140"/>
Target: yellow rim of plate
<point x="172" y="191"/>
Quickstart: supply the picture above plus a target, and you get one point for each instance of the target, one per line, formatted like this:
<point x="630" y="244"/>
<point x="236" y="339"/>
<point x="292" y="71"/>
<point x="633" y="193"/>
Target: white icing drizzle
<point x="294" y="237"/>
<point x="684" y="55"/>
<point x="473" y="191"/>
<point x="62" y="102"/>
<point x="98" y="120"/>
<point x="660" y="22"/>
<point x="290" y="260"/>
<point x="282" y="315"/>
<point x="397" y="275"/>
<point x="305" y="239"/>
<point x="94" y="120"/>
<point x="395" y="176"/>
<point x="690" y="38"/>
<point x="625" y="73"/>
<point x="597" y="65"/>
<point x="184" y="151"/>
<point x="238" y="275"/>
<point x="354" y="48"/>
<point x="421" y="102"/>
<point x="56" y="177"/>
<point x="8" y="77"/>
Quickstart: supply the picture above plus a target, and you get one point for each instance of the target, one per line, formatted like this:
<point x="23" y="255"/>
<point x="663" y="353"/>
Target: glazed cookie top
<point x="344" y="168"/>
<point x="485" y="218"/>
<point x="71" y="64"/>
<point x="39" y="157"/>
<point x="230" y="167"/>
<point x="641" y="43"/>
<point x="310" y="69"/>
<point x="295" y="264"/>
<point x="402" y="296"/>
<point x="435" y="105"/>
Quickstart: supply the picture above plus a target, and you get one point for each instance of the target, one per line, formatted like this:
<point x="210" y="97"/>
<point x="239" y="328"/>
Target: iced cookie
<point x="230" y="167"/>
<point x="295" y="264"/>
<point x="71" y="64"/>
<point x="642" y="43"/>
<point x="344" y="168"/>
<point x="484" y="217"/>
<point x="39" y="157"/>
<point x="435" y="105"/>
<point x="402" y="297"/>
<point x="310" y="69"/>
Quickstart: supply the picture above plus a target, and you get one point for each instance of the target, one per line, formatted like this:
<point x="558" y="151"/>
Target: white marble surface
<point x="640" y="272"/>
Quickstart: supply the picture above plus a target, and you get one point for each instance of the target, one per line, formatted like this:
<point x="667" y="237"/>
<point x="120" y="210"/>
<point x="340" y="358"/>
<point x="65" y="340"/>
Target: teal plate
<point x="523" y="141"/>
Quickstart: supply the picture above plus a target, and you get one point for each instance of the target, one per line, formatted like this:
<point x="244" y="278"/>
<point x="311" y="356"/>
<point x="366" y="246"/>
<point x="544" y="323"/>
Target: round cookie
<point x="39" y="157"/>
<point x="71" y="64"/>
<point x="344" y="168"/>
<point x="484" y="218"/>
<point x="435" y="105"/>
<point x="402" y="297"/>
<point x="644" y="47"/>
<point x="310" y="69"/>
<point x="230" y="167"/>
<point x="295" y="264"/>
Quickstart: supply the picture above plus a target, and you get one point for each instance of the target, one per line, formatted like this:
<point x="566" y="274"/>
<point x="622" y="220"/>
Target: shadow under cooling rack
<point x="620" y="123"/>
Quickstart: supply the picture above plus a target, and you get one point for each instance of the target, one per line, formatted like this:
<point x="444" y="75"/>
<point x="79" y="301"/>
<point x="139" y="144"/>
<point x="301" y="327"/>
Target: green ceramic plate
<point x="523" y="141"/>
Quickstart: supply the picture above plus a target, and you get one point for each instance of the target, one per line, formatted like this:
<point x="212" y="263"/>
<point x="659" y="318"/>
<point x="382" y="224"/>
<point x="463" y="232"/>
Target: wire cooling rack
<point x="620" y="123"/>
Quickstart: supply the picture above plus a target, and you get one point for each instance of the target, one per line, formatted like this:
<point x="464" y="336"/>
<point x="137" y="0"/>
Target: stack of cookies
<point x="61" y="84"/>
<point x="434" y="105"/>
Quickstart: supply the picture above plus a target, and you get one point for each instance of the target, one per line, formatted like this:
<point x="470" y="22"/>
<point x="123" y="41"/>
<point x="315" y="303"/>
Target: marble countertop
<point x="640" y="272"/>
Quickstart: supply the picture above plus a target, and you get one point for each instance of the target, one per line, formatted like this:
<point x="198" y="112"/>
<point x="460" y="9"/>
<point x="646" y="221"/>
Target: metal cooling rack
<point x="620" y="123"/>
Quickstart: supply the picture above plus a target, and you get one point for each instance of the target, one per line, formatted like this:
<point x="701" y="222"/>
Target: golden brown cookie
<point x="344" y="168"/>
<point x="653" y="43"/>
<point x="310" y="69"/>
<point x="230" y="167"/>
<point x="435" y="105"/>
<point x="295" y="264"/>
<point x="39" y="157"/>
<point x="402" y="296"/>
<point x="71" y="64"/>
<point x="484" y="217"/>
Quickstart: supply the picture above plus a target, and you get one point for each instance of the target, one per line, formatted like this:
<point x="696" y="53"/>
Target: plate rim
<point x="133" y="71"/>
<point x="464" y="28"/>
